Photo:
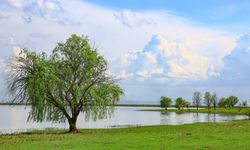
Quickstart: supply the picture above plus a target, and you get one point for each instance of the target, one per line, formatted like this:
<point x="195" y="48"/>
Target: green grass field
<point x="227" y="135"/>
<point x="215" y="136"/>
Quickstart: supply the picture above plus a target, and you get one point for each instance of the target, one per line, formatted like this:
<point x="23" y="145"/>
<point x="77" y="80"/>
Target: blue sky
<point x="157" y="48"/>
<point x="210" y="12"/>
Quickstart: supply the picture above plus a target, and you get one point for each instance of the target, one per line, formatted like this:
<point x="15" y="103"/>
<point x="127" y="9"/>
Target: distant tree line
<point x="180" y="103"/>
<point x="213" y="100"/>
<point x="209" y="100"/>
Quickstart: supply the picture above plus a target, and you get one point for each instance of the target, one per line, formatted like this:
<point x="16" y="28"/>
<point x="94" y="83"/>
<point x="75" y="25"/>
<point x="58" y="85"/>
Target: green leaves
<point x="165" y="102"/>
<point x="231" y="101"/>
<point x="180" y="103"/>
<point x="71" y="80"/>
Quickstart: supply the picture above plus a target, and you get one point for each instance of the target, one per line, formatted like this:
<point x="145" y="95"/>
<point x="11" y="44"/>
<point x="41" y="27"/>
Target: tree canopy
<point x="180" y="103"/>
<point x="165" y="102"/>
<point x="73" y="79"/>
<point x="208" y="99"/>
<point x="214" y="100"/>
<point x="197" y="99"/>
<point x="222" y="102"/>
<point x="232" y="101"/>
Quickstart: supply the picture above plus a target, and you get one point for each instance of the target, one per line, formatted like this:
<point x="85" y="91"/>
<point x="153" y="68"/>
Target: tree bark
<point x="72" y="125"/>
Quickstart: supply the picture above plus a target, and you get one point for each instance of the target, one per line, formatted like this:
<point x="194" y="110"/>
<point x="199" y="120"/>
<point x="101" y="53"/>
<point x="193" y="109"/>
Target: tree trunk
<point x="72" y="125"/>
<point x="197" y="107"/>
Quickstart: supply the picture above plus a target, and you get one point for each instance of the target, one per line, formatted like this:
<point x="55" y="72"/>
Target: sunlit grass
<point x="227" y="135"/>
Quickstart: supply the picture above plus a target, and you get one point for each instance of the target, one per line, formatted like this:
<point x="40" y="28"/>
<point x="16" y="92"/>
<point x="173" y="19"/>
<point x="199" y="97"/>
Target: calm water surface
<point x="14" y="119"/>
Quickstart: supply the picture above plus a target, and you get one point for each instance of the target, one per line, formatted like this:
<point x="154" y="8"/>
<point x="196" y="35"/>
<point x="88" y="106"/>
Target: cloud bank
<point x="152" y="51"/>
<point x="162" y="58"/>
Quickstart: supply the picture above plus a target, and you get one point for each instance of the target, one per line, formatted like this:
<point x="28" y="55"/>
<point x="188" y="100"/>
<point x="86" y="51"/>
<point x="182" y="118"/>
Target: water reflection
<point x="172" y="118"/>
<point x="14" y="119"/>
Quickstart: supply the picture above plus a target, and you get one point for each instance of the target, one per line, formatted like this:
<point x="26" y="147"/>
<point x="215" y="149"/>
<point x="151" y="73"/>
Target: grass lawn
<point x="228" y="135"/>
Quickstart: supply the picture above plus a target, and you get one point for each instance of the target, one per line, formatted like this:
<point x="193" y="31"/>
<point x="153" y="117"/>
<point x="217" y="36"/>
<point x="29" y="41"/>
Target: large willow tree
<point x="71" y="80"/>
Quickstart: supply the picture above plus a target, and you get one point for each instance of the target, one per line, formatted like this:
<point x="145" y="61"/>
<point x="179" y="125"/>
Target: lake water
<point x="14" y="119"/>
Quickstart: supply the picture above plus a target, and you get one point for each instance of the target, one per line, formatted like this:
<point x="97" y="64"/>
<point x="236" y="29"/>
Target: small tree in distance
<point x="232" y="101"/>
<point x="214" y="100"/>
<point x="207" y="99"/>
<point x="222" y="102"/>
<point x="197" y="99"/>
<point x="244" y="103"/>
<point x="179" y="103"/>
<point x="165" y="102"/>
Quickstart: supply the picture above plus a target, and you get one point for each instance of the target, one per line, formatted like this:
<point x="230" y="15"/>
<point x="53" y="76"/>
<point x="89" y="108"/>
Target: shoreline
<point x="218" y="110"/>
<point x="187" y="136"/>
<point x="81" y="130"/>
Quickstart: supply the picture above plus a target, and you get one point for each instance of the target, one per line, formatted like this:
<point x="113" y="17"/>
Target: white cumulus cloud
<point x="163" y="58"/>
<point x="182" y="50"/>
<point x="237" y="63"/>
<point x="46" y="9"/>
